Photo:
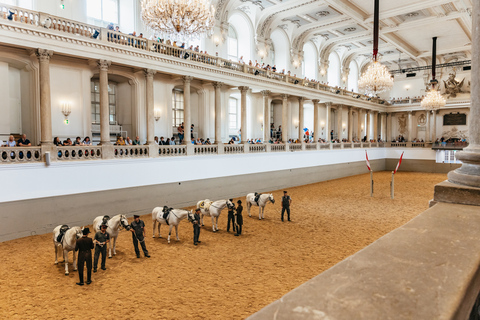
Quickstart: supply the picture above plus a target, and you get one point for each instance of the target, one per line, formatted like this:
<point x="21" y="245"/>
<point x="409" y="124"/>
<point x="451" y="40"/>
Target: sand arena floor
<point x="225" y="277"/>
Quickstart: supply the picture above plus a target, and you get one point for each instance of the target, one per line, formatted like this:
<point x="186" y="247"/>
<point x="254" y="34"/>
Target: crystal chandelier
<point x="376" y="79"/>
<point x="178" y="19"/>
<point x="434" y="99"/>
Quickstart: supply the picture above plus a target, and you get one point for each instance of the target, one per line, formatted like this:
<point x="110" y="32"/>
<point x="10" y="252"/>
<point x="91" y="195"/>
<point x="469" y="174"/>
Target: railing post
<point x="218" y="61"/>
<point x="317" y="145"/>
<point x="330" y="145"/>
<point x="104" y="34"/>
<point x="245" y="68"/>
<point x="304" y="146"/>
<point x="220" y="148"/>
<point x="108" y="151"/>
<point x="268" y="147"/>
<point x="342" y="145"/>
<point x="190" y="149"/>
<point x="287" y="146"/>
<point x="152" y="151"/>
<point x="246" y="147"/>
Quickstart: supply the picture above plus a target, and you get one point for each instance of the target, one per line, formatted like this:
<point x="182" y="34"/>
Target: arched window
<point x="333" y="73"/>
<point x="233" y="116"/>
<point x="112" y="101"/>
<point x="102" y="12"/>
<point x="282" y="49"/>
<point x="241" y="25"/>
<point x="177" y="107"/>
<point x="353" y="76"/>
<point x="310" y="61"/>
<point x="232" y="44"/>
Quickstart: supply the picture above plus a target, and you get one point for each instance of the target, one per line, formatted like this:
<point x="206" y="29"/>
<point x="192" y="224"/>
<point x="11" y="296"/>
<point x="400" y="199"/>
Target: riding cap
<point x="104" y="226"/>
<point x="239" y="201"/>
<point x="135" y="216"/>
<point x="86" y="231"/>
<point x="284" y="191"/>
<point x="197" y="209"/>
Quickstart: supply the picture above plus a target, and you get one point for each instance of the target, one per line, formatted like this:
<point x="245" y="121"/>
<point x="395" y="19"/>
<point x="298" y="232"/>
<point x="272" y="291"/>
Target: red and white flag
<point x="398" y="165"/>
<point x="368" y="162"/>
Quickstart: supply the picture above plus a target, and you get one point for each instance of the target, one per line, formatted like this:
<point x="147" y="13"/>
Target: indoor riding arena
<point x="224" y="277"/>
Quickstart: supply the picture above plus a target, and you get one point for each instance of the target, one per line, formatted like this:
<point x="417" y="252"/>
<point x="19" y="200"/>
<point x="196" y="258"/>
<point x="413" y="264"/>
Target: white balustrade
<point x="357" y="145"/>
<point x="336" y="146"/>
<point x="311" y="146"/>
<point x="172" y="150"/>
<point x="255" y="148"/>
<point x="277" y="147"/>
<point x="233" y="148"/>
<point x="136" y="151"/>
<point x="205" y="149"/>
<point x="20" y="154"/>
<point x="347" y="145"/>
<point x="295" y="147"/>
<point x="67" y="153"/>
<point x="325" y="145"/>
<point x="398" y="144"/>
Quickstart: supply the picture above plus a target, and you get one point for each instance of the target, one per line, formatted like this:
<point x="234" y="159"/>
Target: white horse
<point x="262" y="202"/>
<point x="68" y="243"/>
<point x="114" y="225"/>
<point x="213" y="209"/>
<point x="174" y="218"/>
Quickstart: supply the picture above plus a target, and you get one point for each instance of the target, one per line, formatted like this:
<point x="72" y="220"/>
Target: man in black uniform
<point x="196" y="226"/>
<point x="239" y="218"/>
<point x="84" y="247"/>
<point x="101" y="239"/>
<point x="286" y="202"/>
<point x="231" y="217"/>
<point x="138" y="234"/>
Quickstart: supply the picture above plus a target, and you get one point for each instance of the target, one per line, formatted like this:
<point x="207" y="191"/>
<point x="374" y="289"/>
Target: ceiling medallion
<point x="322" y="13"/>
<point x="412" y="14"/>
<point x="351" y="29"/>
<point x="178" y="19"/>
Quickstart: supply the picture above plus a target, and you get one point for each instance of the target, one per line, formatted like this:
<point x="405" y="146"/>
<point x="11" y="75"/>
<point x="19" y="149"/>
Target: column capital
<point x="315" y="101"/>
<point x="187" y="79"/>
<point x="285" y="96"/>
<point x="301" y="99"/>
<point x="103" y="64"/>
<point x="243" y="89"/>
<point x="43" y="54"/>
<point x="217" y="85"/>
<point x="328" y="104"/>
<point x="265" y="93"/>
<point x="149" y="72"/>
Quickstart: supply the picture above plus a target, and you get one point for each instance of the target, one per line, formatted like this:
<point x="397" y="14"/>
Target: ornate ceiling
<point x="406" y="27"/>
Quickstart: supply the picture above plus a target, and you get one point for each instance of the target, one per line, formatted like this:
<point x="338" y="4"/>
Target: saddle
<point x="257" y="196"/>
<point x="166" y="212"/>
<point x="63" y="229"/>
<point x="104" y="221"/>
<point x="205" y="205"/>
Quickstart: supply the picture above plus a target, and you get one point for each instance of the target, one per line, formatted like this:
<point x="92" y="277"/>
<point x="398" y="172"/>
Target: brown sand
<point x="225" y="277"/>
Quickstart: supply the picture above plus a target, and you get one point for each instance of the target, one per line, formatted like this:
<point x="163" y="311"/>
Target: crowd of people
<point x="22" y="142"/>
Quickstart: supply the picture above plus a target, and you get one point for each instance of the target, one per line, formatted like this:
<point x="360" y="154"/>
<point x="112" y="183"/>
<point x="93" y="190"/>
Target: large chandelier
<point x="434" y="99"/>
<point x="376" y="79"/>
<point x="179" y="19"/>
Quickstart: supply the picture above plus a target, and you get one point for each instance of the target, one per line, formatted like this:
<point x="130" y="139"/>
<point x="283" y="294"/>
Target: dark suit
<point x="84" y="247"/>
<point x="231" y="217"/>
<point x="196" y="228"/>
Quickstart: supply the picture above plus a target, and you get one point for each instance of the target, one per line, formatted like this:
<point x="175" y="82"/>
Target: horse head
<point x="78" y="232"/>
<point x="190" y="215"/>
<point x="124" y="222"/>
<point x="230" y="204"/>
<point x="270" y="197"/>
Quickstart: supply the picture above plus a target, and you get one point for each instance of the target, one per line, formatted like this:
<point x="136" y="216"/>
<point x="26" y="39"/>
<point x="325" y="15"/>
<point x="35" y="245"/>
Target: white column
<point x="375" y="125"/>
<point x="45" y="97"/>
<point x="104" y="103"/>
<point x="187" y="116"/>
<point x="410" y="128"/>
<point x="434" y="127"/>
<point x="243" y="103"/>
<point x="316" y="120"/>
<point x="284" y="118"/>
<point x="427" y="127"/>
<point x="383" y="132"/>
<point x="339" y="122"/>
<point x="301" y="119"/>
<point x="350" y="124"/>
<point x="328" y="110"/>
<point x="266" y="116"/>
<point x="218" y="111"/>
<point x="360" y="121"/>
<point x="149" y="73"/>
<point x="368" y="128"/>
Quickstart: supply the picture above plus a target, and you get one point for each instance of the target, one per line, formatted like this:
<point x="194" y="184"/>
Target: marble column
<point x="375" y="125"/>
<point x="266" y="116"/>
<point x="350" y="124"/>
<point x="328" y="111"/>
<point x="389" y="127"/>
<point x="367" y="129"/>
<point x="45" y="97"/>
<point x="218" y="111"/>
<point x="187" y="115"/>
<point x="469" y="173"/>
<point x="103" y="65"/>
<point x="339" y="122"/>
<point x="383" y="126"/>
<point x="149" y="73"/>
<point x="427" y="127"/>
<point x="243" y="103"/>
<point x="360" y="121"/>
<point x="301" y="117"/>
<point x="316" y="120"/>
<point x="410" y="127"/>
<point x="285" y="117"/>
<point x="434" y="125"/>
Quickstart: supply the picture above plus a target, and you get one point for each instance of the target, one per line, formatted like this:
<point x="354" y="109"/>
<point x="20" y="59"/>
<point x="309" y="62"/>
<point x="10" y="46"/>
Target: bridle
<point x="123" y="225"/>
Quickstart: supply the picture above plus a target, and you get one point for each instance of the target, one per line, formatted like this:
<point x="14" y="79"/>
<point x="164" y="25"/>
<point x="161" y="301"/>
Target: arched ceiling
<point x="406" y="28"/>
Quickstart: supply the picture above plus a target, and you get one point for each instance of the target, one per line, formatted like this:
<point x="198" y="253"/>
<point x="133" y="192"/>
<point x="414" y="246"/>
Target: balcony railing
<point x="79" y="153"/>
<point x="20" y="154"/>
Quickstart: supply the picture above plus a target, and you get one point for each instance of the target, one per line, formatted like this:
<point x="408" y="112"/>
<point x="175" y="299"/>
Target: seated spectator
<point x="128" y="141"/>
<point x="172" y="141"/>
<point x="11" y="142"/>
<point x="241" y="60"/>
<point x="78" y="141"/>
<point x="208" y="141"/>
<point x="87" y="141"/>
<point x="57" y="142"/>
<point x="156" y="140"/>
<point x="162" y="141"/>
<point x="67" y="142"/>
<point x="136" y="142"/>
<point x="231" y="141"/>
<point x="120" y="141"/>
<point x="23" y="141"/>
<point x="167" y="142"/>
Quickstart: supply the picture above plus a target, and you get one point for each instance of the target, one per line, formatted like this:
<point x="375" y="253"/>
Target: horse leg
<point x="176" y="232"/>
<point x="169" y="233"/>
<point x="159" y="224"/>
<point x="114" y="246"/>
<point x="263" y="212"/>
<point x="213" y="223"/>
<point x="65" y="258"/>
<point x="259" y="213"/>
<point x="154" y="225"/>
<point x="201" y="217"/>
<point x="248" y="208"/>
<point x="216" y="223"/>
<point x="56" y="253"/>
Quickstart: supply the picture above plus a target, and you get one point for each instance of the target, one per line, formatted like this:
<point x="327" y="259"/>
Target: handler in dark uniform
<point x="84" y="247"/>
<point x="101" y="239"/>
<point x="231" y="217"/>
<point x="138" y="234"/>
<point x="196" y="226"/>
<point x="239" y="218"/>
<point x="286" y="202"/>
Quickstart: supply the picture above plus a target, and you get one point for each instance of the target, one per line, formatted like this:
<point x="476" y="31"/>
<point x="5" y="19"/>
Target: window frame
<point x="94" y="103"/>
<point x="233" y="130"/>
<point x="177" y="120"/>
<point x="102" y="22"/>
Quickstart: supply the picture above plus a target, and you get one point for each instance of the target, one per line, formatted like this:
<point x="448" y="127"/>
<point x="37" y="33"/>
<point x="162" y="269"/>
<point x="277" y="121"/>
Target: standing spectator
<point x="101" y="239"/>
<point x="120" y="141"/>
<point x="191" y="131"/>
<point x="136" y="142"/>
<point x="167" y="142"/>
<point x="23" y="141"/>
<point x="279" y="132"/>
<point x="196" y="226"/>
<point x="331" y="135"/>
<point x="11" y="142"/>
<point x="286" y="202"/>
<point x="239" y="219"/>
<point x="128" y="141"/>
<point x="231" y="217"/>
<point x="84" y="247"/>
<point x="138" y="234"/>
<point x="181" y="132"/>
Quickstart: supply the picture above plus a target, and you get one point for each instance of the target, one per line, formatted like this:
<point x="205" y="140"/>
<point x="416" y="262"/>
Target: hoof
<point x="56" y="262"/>
<point x="75" y="269"/>
<point x="66" y="273"/>
<point x="153" y="237"/>
<point x="109" y="257"/>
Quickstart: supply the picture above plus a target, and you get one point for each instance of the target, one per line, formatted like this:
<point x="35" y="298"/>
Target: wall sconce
<point x="322" y="72"/>
<point x="216" y="40"/>
<point x="361" y="126"/>
<point x="323" y="126"/>
<point x="66" y="110"/>
<point x="343" y="126"/>
<point x="407" y="87"/>
<point x="156" y="114"/>
<point x="295" y="122"/>
<point x="344" y="79"/>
